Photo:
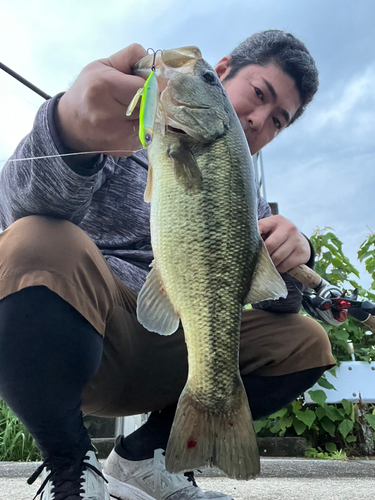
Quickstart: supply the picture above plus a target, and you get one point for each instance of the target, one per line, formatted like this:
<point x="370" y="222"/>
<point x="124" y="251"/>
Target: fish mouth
<point x="175" y="130"/>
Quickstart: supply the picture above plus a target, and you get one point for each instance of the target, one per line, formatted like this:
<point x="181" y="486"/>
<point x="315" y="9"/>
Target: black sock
<point x="154" y="434"/>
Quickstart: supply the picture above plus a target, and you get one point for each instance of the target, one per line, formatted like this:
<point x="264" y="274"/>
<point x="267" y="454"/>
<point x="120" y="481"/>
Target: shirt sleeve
<point x="37" y="181"/>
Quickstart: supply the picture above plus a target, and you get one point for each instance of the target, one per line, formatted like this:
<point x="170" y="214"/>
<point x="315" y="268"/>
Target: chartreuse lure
<point x="149" y="98"/>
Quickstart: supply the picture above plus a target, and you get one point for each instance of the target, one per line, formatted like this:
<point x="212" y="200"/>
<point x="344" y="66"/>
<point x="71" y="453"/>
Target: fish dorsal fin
<point x="154" y="309"/>
<point x="148" y="191"/>
<point x="267" y="284"/>
<point x="186" y="168"/>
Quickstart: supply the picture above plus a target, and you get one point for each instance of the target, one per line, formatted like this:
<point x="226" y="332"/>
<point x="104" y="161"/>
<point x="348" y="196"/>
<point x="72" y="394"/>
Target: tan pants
<point x="140" y="371"/>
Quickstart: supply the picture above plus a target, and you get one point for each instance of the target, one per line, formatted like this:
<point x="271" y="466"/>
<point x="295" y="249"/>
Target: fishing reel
<point x="331" y="305"/>
<point x="319" y="304"/>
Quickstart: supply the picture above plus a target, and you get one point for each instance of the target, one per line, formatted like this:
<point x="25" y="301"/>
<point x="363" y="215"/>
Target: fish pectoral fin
<point x="154" y="309"/>
<point x="148" y="191"/>
<point x="267" y="284"/>
<point x="186" y="168"/>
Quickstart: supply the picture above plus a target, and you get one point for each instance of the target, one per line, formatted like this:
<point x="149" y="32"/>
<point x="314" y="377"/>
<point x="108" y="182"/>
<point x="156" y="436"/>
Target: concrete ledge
<point x="270" y="468"/>
<point x="104" y="446"/>
<point x="282" y="446"/>
<point x="268" y="447"/>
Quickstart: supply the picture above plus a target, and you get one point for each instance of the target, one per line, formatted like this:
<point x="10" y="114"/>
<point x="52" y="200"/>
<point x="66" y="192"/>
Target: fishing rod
<point x="23" y="80"/>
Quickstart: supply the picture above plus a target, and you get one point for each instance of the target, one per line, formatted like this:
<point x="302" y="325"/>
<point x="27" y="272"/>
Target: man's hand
<point x="91" y="116"/>
<point x="286" y="245"/>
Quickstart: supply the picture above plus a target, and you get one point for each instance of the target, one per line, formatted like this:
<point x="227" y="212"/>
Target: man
<point x="69" y="338"/>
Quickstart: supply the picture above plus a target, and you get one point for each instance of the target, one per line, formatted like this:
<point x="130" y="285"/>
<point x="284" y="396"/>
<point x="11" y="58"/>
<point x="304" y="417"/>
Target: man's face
<point x="264" y="98"/>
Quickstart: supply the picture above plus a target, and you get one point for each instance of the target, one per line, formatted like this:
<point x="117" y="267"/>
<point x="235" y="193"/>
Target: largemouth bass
<point x="209" y="259"/>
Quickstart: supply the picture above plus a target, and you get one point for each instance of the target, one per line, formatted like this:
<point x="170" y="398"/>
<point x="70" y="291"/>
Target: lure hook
<point x="153" y="61"/>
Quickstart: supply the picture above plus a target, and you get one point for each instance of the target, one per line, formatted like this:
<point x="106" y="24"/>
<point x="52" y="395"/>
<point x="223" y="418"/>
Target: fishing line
<point x="40" y="92"/>
<point x="69" y="154"/>
<point x="19" y="95"/>
<point x="140" y="161"/>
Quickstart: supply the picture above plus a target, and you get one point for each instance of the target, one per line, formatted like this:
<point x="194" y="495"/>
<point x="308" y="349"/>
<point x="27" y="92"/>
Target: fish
<point x="209" y="259"/>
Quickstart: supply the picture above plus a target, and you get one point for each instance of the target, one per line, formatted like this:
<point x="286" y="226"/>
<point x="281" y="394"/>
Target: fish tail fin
<point x="201" y="437"/>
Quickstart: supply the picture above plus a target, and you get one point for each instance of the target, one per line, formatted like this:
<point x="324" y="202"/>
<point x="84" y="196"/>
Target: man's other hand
<point x="286" y="245"/>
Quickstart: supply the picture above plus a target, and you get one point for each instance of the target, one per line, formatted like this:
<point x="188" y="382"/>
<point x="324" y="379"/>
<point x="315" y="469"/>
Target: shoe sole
<point x="122" y="491"/>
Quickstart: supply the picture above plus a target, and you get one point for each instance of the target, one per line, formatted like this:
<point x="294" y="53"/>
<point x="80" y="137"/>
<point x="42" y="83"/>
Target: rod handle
<point x="369" y="323"/>
<point x="306" y="276"/>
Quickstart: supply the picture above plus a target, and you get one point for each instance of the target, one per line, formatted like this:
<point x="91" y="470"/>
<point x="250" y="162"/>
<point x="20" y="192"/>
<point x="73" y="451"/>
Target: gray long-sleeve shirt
<point x="104" y="197"/>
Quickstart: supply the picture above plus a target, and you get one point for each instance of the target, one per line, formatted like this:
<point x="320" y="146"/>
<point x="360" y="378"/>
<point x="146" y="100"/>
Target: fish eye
<point x="148" y="138"/>
<point x="209" y="76"/>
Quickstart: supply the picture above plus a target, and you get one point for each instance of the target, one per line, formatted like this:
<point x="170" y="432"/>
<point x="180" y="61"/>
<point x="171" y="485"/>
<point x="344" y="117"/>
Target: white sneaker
<point x="80" y="481"/>
<point x="149" y="480"/>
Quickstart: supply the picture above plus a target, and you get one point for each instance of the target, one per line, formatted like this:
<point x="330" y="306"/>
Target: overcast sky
<point x="320" y="170"/>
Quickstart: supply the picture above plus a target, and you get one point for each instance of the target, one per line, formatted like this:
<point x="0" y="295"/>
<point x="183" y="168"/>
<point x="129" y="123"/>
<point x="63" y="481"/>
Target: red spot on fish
<point x="191" y="443"/>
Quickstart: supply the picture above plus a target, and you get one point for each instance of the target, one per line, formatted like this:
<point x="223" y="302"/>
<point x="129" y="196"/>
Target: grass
<point x="16" y="444"/>
<point x="319" y="453"/>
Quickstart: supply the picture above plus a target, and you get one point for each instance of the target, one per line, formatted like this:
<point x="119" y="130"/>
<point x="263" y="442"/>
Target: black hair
<point x="289" y="53"/>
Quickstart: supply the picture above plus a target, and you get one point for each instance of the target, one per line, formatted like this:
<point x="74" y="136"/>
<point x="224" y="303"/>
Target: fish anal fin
<point x="186" y="169"/>
<point x="266" y="284"/>
<point x="201" y="437"/>
<point x="155" y="311"/>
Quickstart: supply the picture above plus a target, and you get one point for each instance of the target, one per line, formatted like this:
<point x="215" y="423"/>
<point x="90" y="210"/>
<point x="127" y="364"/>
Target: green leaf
<point x="362" y="256"/>
<point x="351" y="439"/>
<point x="286" y="422"/>
<point x="279" y="413"/>
<point x="318" y="396"/>
<point x="347" y="406"/>
<point x="323" y="382"/>
<point x="320" y="412"/>
<point x="296" y="405"/>
<point x="345" y="427"/>
<point x="371" y="420"/>
<point x="328" y="426"/>
<point x="307" y="417"/>
<point x="341" y="335"/>
<point x="332" y="371"/>
<point x="299" y="426"/>
<point x="276" y="428"/>
<point x="332" y="413"/>
<point x="258" y="425"/>
<point x="331" y="447"/>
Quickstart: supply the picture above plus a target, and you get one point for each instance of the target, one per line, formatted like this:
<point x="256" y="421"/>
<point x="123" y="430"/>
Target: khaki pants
<point x="140" y="371"/>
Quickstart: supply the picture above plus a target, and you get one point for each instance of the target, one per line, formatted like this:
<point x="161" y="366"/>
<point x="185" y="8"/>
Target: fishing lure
<point x="149" y="98"/>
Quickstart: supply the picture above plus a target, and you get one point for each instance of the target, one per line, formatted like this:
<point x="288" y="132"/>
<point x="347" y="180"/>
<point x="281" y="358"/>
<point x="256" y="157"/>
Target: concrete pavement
<point x="281" y="478"/>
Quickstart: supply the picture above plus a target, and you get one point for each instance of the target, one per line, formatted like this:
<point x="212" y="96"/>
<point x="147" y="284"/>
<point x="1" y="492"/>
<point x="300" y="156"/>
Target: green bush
<point x="333" y="427"/>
